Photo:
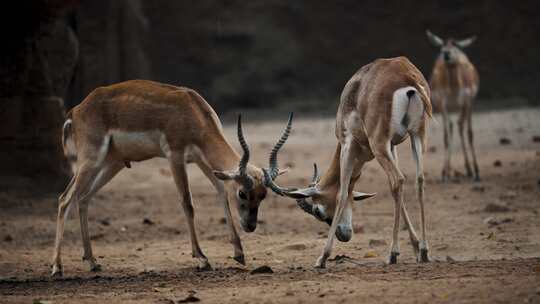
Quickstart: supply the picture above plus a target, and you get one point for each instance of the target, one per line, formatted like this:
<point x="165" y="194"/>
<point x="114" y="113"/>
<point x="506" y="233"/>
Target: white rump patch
<point x="406" y="112"/>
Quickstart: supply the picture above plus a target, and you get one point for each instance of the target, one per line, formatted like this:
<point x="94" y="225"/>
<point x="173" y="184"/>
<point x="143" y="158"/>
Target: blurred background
<point x="240" y="55"/>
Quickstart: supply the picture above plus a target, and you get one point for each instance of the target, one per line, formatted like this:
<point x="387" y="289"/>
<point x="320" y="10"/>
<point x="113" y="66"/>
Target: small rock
<point x="492" y="207"/>
<point x="536" y="138"/>
<point x="289" y="294"/>
<point x="338" y="258"/>
<point x="450" y="259"/>
<point x="298" y="246"/>
<point x="478" y="188"/>
<point x="506" y="220"/>
<point x="123" y="229"/>
<point x="491" y="236"/>
<point x="376" y="243"/>
<point x="371" y="254"/>
<point x="504" y="141"/>
<point x="491" y="221"/>
<point x="162" y="289"/>
<point x="508" y="195"/>
<point x="147" y="221"/>
<point x="105" y="221"/>
<point x="223" y="220"/>
<point x="358" y="228"/>
<point x="262" y="269"/>
<point x="497" y="163"/>
<point x="8" y="238"/>
<point x="189" y="299"/>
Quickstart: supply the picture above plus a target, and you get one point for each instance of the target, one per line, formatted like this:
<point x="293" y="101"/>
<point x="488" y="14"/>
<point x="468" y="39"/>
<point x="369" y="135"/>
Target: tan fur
<point x="138" y="120"/>
<point x="454" y="85"/>
<point x="363" y="131"/>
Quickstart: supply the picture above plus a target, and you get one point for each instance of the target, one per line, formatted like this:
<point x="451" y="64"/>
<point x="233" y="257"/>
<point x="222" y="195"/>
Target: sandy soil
<point x="474" y="261"/>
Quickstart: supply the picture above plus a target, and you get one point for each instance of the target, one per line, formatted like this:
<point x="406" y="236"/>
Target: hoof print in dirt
<point x="262" y="269"/>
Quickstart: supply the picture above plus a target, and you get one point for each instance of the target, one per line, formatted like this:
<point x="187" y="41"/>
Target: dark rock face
<point x="56" y="49"/>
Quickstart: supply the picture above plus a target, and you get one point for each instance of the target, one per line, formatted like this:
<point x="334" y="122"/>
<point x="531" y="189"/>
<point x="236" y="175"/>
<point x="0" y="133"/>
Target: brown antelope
<point x="138" y="120"/>
<point x="385" y="102"/>
<point x="454" y="84"/>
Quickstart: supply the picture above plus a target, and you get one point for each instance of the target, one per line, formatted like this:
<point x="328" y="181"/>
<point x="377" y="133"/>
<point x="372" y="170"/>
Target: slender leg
<point x="461" y="123"/>
<point x="406" y="219"/>
<point x="222" y="199"/>
<point x="418" y="149"/>
<point x="103" y="177"/>
<point x="448" y="132"/>
<point x="77" y="191"/>
<point x="346" y="170"/>
<point x="396" y="179"/>
<point x="178" y="168"/>
<point x="471" y="143"/>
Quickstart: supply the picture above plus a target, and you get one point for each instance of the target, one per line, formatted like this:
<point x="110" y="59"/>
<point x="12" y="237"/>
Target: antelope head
<point x="320" y="201"/>
<point x="246" y="186"/>
<point x="450" y="50"/>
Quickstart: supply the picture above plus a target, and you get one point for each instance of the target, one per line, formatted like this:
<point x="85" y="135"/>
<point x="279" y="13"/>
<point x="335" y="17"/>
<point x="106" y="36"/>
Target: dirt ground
<point x="479" y="255"/>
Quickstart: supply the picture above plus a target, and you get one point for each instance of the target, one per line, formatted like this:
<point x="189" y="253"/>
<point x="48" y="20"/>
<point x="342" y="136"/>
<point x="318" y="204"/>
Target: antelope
<point x="137" y="120"/>
<point x="384" y="103"/>
<point x="454" y="82"/>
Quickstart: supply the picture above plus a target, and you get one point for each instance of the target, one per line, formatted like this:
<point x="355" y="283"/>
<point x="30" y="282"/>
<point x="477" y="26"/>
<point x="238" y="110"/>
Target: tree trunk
<point x="32" y="112"/>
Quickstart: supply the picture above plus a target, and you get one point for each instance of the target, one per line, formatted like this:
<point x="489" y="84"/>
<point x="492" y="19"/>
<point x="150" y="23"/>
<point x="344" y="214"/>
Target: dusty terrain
<point x="478" y="256"/>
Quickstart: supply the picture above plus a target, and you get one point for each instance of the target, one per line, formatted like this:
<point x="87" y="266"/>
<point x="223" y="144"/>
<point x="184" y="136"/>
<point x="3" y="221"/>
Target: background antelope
<point x="381" y="105"/>
<point x="138" y="120"/>
<point x="454" y="84"/>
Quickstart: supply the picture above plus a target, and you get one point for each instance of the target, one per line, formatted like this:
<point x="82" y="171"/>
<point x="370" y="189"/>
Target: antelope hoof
<point x="93" y="265"/>
<point x="204" y="266"/>
<point x="469" y="172"/>
<point x="321" y="263"/>
<point x="423" y="256"/>
<point x="95" y="268"/>
<point x="57" y="272"/>
<point x="392" y="259"/>
<point x="444" y="177"/>
<point x="240" y="259"/>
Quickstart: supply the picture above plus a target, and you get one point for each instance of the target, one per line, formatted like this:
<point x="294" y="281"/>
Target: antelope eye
<point x="242" y="195"/>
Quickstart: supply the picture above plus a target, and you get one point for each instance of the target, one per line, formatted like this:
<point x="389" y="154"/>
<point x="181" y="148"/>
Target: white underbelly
<point x="137" y="146"/>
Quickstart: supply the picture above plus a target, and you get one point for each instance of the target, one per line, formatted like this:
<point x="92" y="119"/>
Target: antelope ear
<point x="225" y="175"/>
<point x="359" y="196"/>
<point x="301" y="193"/>
<point x="434" y="39"/>
<point x="465" y="42"/>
